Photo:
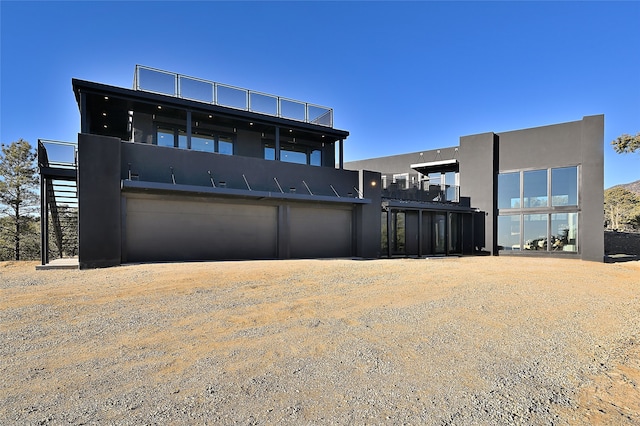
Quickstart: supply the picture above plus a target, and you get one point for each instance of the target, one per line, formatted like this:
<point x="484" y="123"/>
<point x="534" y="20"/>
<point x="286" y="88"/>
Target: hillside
<point x="633" y="186"/>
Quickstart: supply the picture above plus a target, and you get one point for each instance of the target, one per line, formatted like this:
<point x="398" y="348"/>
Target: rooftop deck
<point x="184" y="87"/>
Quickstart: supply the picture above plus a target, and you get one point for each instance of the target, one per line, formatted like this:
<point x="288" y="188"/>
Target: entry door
<point x="398" y="232"/>
<point x="440" y="233"/>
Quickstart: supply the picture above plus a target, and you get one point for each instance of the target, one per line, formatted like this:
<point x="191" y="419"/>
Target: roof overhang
<point x="113" y="102"/>
<point x="450" y="165"/>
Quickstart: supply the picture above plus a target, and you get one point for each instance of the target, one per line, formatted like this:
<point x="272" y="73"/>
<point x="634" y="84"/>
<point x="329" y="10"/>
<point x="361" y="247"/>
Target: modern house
<point x="538" y="191"/>
<point x="180" y="168"/>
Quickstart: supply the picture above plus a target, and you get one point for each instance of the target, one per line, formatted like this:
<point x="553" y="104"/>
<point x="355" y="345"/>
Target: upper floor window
<point x="535" y="191"/>
<point x="509" y="190"/>
<point x="401" y="180"/>
<point x="292" y="153"/>
<point x="564" y="186"/>
<point x="200" y="141"/>
<point x="535" y="188"/>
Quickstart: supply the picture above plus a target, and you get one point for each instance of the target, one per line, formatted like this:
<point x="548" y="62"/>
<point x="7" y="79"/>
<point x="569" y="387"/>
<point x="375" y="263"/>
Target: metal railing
<point x="59" y="199"/>
<point x="57" y="153"/>
<point x="152" y="80"/>
<point x="430" y="193"/>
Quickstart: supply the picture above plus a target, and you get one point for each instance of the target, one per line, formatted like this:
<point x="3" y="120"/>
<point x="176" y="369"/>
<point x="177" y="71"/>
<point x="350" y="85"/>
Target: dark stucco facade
<point x="474" y="168"/>
<point x="165" y="175"/>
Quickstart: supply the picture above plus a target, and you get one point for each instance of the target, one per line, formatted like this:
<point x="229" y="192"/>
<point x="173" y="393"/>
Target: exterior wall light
<point x="373" y="183"/>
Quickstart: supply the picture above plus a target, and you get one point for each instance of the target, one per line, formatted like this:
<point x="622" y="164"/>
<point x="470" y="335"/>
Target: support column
<point x="84" y="119"/>
<point x="44" y="222"/>
<point x="277" y="153"/>
<point x="389" y="233"/>
<point x="341" y="154"/>
<point x="419" y="233"/>
<point x="188" y="130"/>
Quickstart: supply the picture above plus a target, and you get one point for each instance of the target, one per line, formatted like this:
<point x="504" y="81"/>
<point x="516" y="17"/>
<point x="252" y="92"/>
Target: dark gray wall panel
<point x="98" y="201"/>
<point x="557" y="145"/>
<point x="367" y="217"/>
<point x="412" y="232"/>
<point x="320" y="232"/>
<point x="186" y="228"/>
<point x="477" y="180"/>
<point x="591" y="235"/>
<point x="250" y="144"/>
<point x="153" y="164"/>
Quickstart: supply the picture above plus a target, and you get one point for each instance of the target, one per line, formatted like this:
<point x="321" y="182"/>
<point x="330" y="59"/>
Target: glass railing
<point x="430" y="193"/>
<point x="181" y="86"/>
<point x="57" y="154"/>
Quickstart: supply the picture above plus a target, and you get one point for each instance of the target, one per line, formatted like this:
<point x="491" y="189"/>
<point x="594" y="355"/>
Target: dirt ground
<point x="474" y="340"/>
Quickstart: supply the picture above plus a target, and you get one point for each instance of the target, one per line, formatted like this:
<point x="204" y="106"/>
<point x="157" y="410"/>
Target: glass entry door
<point x="439" y="233"/>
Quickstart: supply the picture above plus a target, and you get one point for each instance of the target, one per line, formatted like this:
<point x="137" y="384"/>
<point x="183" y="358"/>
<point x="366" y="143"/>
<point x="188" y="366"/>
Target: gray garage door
<point x="320" y="232"/>
<point x="184" y="228"/>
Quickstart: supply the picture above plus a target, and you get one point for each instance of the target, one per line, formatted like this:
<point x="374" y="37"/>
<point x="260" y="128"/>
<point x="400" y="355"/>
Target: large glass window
<point x="200" y="141"/>
<point x="509" y="232"/>
<point x="293" y="154"/>
<point x="182" y="139"/>
<point x="509" y="190"/>
<point x="545" y="227"/>
<point x="315" y="158"/>
<point x="269" y="151"/>
<point x="535" y="189"/>
<point x="450" y="188"/>
<point x="564" y="232"/>
<point x="165" y="137"/>
<point x="401" y="180"/>
<point x="203" y="143"/>
<point x="225" y="145"/>
<point x="564" y="186"/>
<point x="535" y="232"/>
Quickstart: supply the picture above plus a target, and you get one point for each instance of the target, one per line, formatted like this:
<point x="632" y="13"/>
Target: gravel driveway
<point x="455" y="341"/>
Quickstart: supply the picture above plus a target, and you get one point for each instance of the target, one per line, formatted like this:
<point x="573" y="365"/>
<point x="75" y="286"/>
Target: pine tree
<point x="18" y="196"/>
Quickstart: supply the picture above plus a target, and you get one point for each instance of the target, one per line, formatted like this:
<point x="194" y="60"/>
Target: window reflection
<point x="269" y="152"/>
<point x="202" y="143"/>
<point x="315" y="158"/>
<point x="509" y="232"/>
<point x="535" y="232"/>
<point x="290" y="156"/>
<point x="182" y="140"/>
<point x="564" y="186"/>
<point x="535" y="188"/>
<point x="165" y="137"/>
<point x="225" y="145"/>
<point x="509" y="190"/>
<point x="564" y="230"/>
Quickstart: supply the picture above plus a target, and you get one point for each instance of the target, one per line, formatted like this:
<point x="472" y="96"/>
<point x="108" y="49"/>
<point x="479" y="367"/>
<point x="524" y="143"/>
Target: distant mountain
<point x="633" y="186"/>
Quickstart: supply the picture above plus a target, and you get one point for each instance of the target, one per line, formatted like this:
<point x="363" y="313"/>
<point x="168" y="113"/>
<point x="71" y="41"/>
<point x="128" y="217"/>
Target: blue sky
<point x="401" y="76"/>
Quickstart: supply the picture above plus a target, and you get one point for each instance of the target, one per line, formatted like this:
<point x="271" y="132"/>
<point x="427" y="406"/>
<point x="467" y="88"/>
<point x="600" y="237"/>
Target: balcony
<point x="180" y="86"/>
<point x="430" y="193"/>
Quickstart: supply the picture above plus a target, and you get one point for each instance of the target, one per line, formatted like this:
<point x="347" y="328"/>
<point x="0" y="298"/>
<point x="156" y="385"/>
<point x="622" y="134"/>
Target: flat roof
<point x="450" y="165"/>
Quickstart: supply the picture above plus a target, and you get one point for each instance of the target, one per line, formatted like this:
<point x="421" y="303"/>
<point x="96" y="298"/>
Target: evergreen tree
<point x="626" y="143"/>
<point x="621" y="209"/>
<point x="18" y="197"/>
